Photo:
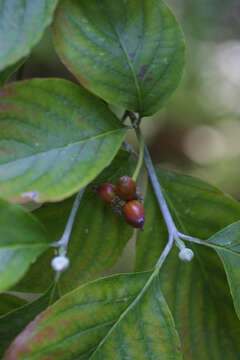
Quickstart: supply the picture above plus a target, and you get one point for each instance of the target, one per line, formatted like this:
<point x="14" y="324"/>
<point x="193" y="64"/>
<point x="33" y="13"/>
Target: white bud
<point x="186" y="254"/>
<point x="60" y="263"/>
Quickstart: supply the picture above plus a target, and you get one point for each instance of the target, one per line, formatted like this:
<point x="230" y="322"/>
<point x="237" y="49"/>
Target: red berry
<point x="126" y="188"/>
<point x="107" y="192"/>
<point x="134" y="214"/>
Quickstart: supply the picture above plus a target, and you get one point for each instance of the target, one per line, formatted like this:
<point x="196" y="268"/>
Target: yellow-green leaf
<point x="55" y="138"/>
<point x="97" y="240"/>
<point x="112" y="318"/>
<point x="14" y="322"/>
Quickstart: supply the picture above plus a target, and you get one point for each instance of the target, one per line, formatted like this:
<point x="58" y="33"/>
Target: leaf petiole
<point x="140" y="156"/>
<point x="61" y="262"/>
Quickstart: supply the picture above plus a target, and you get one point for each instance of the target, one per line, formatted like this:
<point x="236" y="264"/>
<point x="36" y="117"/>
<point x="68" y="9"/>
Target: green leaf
<point x="227" y="245"/>
<point x="6" y="73"/>
<point x="10" y="302"/>
<point x="201" y="210"/>
<point x="55" y="138"/>
<point x="197" y="292"/>
<point x="22" y="24"/>
<point x="130" y="53"/>
<point x="96" y="242"/>
<point x="14" y="322"/>
<point x="22" y="239"/>
<point x="105" y="319"/>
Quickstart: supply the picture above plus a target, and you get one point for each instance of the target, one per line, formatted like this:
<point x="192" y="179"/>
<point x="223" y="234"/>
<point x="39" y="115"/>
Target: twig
<point x="63" y="242"/>
<point x="165" y="252"/>
<point x="185" y="253"/>
<point x="61" y="262"/>
<point x="159" y="194"/>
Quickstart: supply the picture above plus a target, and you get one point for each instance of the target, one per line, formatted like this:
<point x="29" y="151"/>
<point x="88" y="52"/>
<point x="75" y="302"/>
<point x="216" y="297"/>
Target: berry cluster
<point x="124" y="199"/>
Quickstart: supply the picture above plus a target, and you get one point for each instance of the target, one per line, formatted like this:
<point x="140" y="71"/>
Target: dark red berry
<point x="134" y="214"/>
<point x="107" y="192"/>
<point x="126" y="188"/>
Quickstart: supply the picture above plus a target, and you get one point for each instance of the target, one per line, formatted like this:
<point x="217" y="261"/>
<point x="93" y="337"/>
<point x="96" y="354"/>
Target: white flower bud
<point x="186" y="254"/>
<point x="60" y="263"/>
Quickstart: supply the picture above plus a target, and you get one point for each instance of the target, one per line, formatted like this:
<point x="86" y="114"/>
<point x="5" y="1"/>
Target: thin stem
<point x="196" y="240"/>
<point x="172" y="229"/>
<point x="53" y="291"/>
<point x="165" y="252"/>
<point x="63" y="242"/>
<point x="141" y="154"/>
<point x="179" y="243"/>
<point x="159" y="194"/>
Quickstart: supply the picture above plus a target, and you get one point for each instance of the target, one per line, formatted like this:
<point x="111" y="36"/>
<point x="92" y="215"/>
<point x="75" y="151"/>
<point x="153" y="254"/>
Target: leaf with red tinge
<point x="113" y="318"/>
<point x="55" y="138"/>
<point x="14" y="322"/>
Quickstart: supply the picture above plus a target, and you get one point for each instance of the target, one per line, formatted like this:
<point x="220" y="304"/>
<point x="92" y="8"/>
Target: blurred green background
<point x="198" y="132"/>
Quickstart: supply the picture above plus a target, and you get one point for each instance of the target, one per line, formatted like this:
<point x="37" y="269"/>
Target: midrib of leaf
<point x="131" y="67"/>
<point x="65" y="147"/>
<point x="135" y="301"/>
<point x="133" y="74"/>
